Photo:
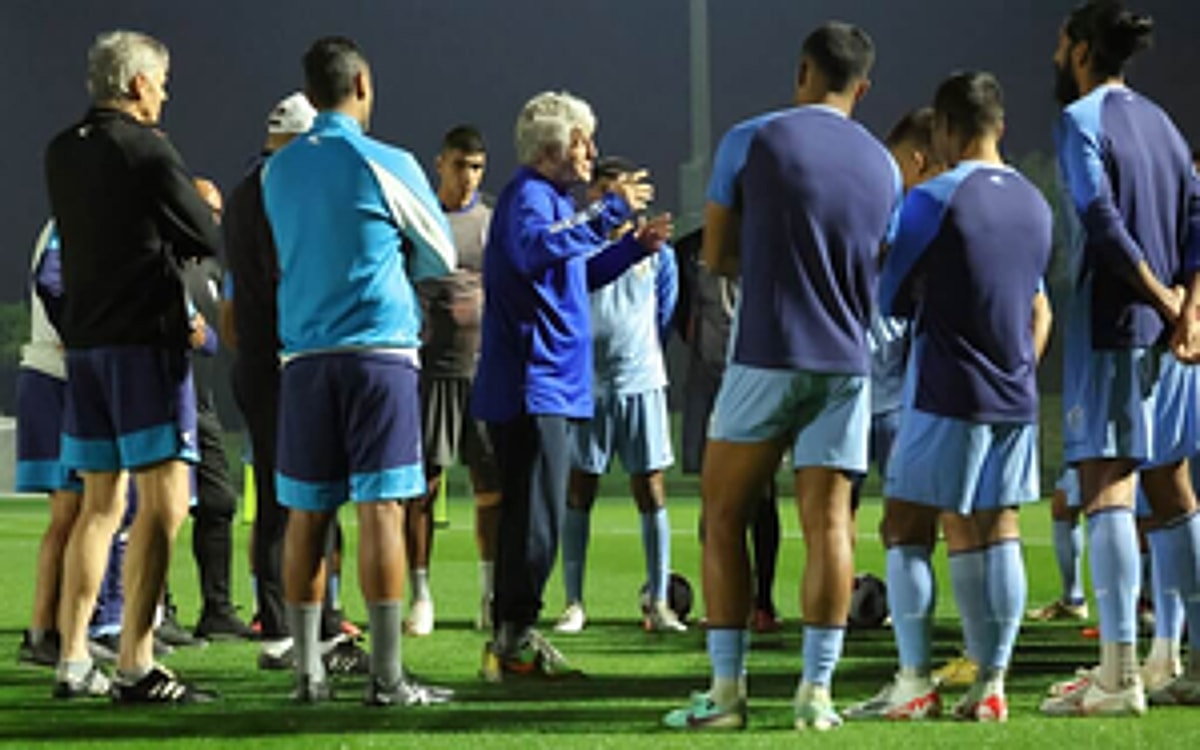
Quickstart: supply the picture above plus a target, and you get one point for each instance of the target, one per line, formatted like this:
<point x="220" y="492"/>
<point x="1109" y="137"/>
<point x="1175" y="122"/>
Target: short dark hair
<point x="971" y="103"/>
<point x="1112" y="33"/>
<point x="465" y="138"/>
<point x="330" y="66"/>
<point x="916" y="127"/>
<point x="842" y="52"/>
<point x="612" y="167"/>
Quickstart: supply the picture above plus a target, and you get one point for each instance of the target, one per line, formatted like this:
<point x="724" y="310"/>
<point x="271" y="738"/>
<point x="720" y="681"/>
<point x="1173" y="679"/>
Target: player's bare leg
<point x="987" y="570"/>
<point x="909" y="532"/>
<point x="1115" y="687"/>
<point x="581" y="496"/>
<point x="733" y="477"/>
<point x="1175" y="544"/>
<point x="418" y="534"/>
<point x="1068" y="550"/>
<point x="163" y="492"/>
<point x="487" y="529"/>
<point x="84" y="558"/>
<point x="64" y="510"/>
<point x="650" y="496"/>
<point x="304" y="590"/>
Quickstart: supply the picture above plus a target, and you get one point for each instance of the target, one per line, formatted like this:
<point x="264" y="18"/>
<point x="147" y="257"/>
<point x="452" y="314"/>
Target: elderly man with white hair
<point x="127" y="213"/>
<point x="535" y="368"/>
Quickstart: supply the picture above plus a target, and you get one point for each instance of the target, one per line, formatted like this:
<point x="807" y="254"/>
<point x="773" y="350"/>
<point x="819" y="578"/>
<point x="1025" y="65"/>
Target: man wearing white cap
<point x="249" y="325"/>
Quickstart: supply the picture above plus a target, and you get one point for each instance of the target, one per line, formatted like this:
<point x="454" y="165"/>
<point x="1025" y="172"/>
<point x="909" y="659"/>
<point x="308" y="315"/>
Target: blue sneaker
<point x="703" y="713"/>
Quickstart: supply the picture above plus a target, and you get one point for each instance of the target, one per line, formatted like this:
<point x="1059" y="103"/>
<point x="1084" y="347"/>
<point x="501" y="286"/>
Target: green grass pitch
<point x="633" y="677"/>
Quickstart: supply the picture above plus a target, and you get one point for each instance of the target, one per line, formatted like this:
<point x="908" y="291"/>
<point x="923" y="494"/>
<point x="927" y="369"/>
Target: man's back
<point x="978" y="239"/>
<point x="123" y="206"/>
<point x="353" y="221"/>
<point x="1117" y="141"/>
<point x="253" y="270"/>
<point x="818" y="195"/>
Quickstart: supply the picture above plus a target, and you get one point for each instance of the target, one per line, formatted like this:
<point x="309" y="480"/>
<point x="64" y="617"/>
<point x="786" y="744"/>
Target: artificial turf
<point x="633" y="677"/>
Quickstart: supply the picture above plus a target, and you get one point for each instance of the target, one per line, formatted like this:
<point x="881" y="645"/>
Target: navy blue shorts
<point x="128" y="407"/>
<point x="39" y="434"/>
<point x="349" y="429"/>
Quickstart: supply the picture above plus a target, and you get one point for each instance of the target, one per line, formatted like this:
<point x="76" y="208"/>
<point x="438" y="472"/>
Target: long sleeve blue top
<point x="542" y="258"/>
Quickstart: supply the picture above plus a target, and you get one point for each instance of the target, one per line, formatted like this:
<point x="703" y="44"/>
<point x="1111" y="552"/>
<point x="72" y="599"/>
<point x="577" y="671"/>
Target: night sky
<point x="440" y="62"/>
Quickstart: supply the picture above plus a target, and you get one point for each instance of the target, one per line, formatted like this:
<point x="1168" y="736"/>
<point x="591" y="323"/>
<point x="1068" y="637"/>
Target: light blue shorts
<point x="1068" y="483"/>
<point x="1108" y="395"/>
<point x="827" y="417"/>
<point x="1108" y="405"/>
<point x="1171" y="390"/>
<point x="962" y="466"/>
<point x="1176" y="399"/>
<point x="635" y="427"/>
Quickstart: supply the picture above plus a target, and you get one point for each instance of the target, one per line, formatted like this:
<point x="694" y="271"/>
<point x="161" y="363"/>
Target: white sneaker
<point x="1091" y="699"/>
<point x="420" y="618"/>
<point x="1184" y="690"/>
<point x="572" y="619"/>
<point x="812" y="709"/>
<point x="984" y="702"/>
<point x="1059" y="610"/>
<point x="1083" y="676"/>
<point x="662" y="619"/>
<point x="904" y="699"/>
<point x="1157" y="673"/>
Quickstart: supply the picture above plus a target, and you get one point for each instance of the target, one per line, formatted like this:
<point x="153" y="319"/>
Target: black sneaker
<point x="222" y="625"/>
<point x="406" y="692"/>
<point x="160" y="685"/>
<point x="107" y="648"/>
<point x="94" y="684"/>
<point x="104" y="648"/>
<point x="347" y="657"/>
<point x="309" y="690"/>
<point x="173" y="634"/>
<point x="44" y="653"/>
<point x="162" y="648"/>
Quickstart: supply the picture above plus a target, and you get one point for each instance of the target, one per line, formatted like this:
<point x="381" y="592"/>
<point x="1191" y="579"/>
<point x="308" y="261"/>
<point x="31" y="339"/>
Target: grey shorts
<point x="448" y="432"/>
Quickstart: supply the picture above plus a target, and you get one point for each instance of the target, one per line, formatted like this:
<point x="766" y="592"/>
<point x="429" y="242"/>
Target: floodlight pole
<point x="693" y="174"/>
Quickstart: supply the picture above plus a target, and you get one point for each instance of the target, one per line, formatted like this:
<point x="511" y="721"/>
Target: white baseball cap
<point x="293" y="115"/>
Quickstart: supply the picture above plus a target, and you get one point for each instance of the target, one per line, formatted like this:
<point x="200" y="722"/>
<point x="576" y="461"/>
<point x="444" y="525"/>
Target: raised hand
<point x="653" y="233"/>
<point x="634" y="189"/>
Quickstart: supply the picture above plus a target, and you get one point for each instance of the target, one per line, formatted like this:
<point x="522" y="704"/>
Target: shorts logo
<point x="186" y="437"/>
<point x="1075" y="419"/>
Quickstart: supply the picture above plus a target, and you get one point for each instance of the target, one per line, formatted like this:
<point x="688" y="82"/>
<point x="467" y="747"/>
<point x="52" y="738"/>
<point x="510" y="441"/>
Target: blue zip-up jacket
<point x="542" y="257"/>
<point x="355" y="223"/>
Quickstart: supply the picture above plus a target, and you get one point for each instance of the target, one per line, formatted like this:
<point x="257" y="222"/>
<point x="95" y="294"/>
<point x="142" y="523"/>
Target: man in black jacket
<point x="127" y="214"/>
<point x="216" y="502"/>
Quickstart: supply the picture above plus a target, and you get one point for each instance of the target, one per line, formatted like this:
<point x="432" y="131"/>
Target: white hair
<point x="117" y="57"/>
<point x="546" y="122"/>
